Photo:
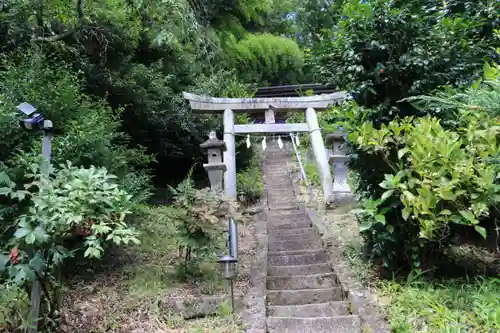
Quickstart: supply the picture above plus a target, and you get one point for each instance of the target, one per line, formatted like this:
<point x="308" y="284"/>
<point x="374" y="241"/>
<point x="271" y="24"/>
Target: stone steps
<point x="303" y="291"/>
<point x="299" y="269"/>
<point x="329" y="309"/>
<point x="290" y="225"/>
<point x="312" y="281"/>
<point x="292" y="245"/>
<point x="338" y="324"/>
<point x="304" y="237"/>
<point x="294" y="258"/>
<point x="289" y="232"/>
<point x="304" y="296"/>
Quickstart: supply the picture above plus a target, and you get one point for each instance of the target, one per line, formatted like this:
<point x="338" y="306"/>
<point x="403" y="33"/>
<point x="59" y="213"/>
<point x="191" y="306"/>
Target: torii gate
<point x="309" y="104"/>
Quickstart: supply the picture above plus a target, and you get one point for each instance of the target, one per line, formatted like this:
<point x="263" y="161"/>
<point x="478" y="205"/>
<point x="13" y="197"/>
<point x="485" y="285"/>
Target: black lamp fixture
<point x="35" y="120"/>
<point x="228" y="270"/>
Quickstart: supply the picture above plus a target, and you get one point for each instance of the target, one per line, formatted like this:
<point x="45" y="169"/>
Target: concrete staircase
<point x="303" y="293"/>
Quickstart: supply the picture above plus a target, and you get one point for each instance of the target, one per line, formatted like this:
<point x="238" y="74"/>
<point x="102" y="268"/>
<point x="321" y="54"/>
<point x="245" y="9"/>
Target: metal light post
<point x="228" y="270"/>
<point x="36" y="121"/>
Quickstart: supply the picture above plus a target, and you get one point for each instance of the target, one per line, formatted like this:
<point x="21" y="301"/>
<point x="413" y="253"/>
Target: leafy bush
<point x="14" y="307"/>
<point x="198" y="218"/>
<point x="75" y="209"/>
<point x="434" y="177"/>
<point x="266" y="58"/>
<point x="87" y="130"/>
<point x="385" y="51"/>
<point x="249" y="182"/>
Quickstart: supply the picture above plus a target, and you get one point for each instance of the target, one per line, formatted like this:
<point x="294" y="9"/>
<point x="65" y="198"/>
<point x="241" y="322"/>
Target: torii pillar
<point x="319" y="153"/>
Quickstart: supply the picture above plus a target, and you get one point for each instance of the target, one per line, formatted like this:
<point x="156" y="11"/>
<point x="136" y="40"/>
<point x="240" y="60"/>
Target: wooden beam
<point x="205" y="104"/>
<point x="271" y="128"/>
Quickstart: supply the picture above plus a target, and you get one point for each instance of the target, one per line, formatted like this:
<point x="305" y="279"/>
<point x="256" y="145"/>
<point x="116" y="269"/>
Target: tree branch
<point x="80" y="10"/>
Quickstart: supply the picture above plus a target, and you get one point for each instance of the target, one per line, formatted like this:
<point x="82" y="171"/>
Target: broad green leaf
<point x="380" y="218"/>
<point x="406" y="213"/>
<point x="402" y="152"/>
<point x="3" y="262"/>
<point x="40" y="234"/>
<point x="481" y="231"/>
<point x="92" y="252"/>
<point x="37" y="263"/>
<point x="387" y="194"/>
<point x="409" y="196"/>
<point x="448" y="195"/>
<point x="490" y="72"/>
<point x="365" y="226"/>
<point x="468" y="215"/>
<point x="22" y="232"/>
<point x="30" y="238"/>
<point x="5" y="191"/>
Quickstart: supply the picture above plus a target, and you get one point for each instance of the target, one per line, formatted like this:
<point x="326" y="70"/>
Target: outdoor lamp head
<point x="228" y="267"/>
<point x="33" y="123"/>
<point x="35" y="120"/>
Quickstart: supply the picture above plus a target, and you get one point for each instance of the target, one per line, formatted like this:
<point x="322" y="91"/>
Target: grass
<point x="420" y="305"/>
<point x="449" y="306"/>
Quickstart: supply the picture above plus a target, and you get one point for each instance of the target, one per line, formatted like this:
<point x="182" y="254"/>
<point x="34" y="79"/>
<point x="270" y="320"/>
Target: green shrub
<point x="197" y="215"/>
<point x="266" y="58"/>
<point x="14" y="307"/>
<point x="249" y="182"/>
<point x="385" y="51"/>
<point x="434" y="177"/>
<point x="87" y="130"/>
<point x="74" y="209"/>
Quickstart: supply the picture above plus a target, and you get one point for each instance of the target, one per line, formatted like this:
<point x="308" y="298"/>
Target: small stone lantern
<point x="215" y="167"/>
<point x="341" y="192"/>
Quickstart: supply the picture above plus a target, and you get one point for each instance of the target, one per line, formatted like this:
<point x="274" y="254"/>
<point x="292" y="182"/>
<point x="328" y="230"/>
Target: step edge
<point x="293" y="252"/>
<point x="299" y="290"/>
<point x="317" y="318"/>
<point x="302" y="276"/>
<point x="306" y="265"/>
<point x="310" y="305"/>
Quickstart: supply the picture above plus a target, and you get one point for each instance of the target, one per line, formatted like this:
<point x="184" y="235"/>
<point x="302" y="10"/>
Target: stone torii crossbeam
<point x="229" y="106"/>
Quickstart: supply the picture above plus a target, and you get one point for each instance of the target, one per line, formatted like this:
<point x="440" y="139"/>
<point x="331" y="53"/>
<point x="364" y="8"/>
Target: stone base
<point x="199" y="306"/>
<point x="340" y="198"/>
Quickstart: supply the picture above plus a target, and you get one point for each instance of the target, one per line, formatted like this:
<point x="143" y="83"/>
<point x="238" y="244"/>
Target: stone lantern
<point x="215" y="167"/>
<point x="341" y="192"/>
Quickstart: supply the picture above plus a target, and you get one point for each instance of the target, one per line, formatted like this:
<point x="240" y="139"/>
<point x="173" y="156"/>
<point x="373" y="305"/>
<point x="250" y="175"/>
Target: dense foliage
<point x="74" y="212"/>
<point x="436" y="179"/>
<point x="385" y="51"/>
<point x="109" y="75"/>
<point x="410" y="170"/>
